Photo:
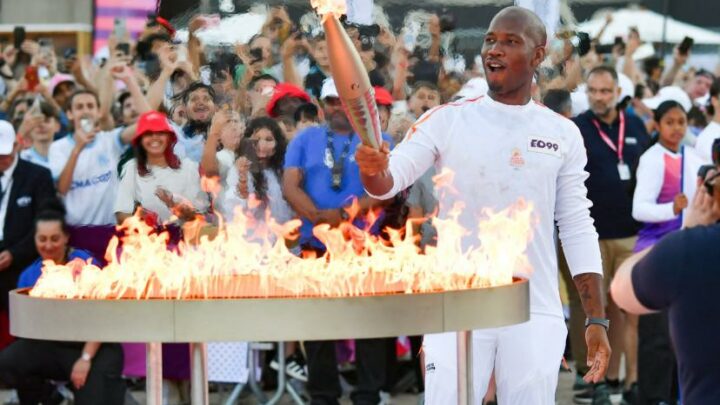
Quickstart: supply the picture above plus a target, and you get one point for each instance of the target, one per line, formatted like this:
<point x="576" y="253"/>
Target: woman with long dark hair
<point x="258" y="174"/>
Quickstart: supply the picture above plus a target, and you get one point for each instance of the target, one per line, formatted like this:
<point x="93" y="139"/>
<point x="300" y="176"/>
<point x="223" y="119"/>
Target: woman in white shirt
<point x="156" y="179"/>
<point x="258" y="173"/>
<point x="659" y="199"/>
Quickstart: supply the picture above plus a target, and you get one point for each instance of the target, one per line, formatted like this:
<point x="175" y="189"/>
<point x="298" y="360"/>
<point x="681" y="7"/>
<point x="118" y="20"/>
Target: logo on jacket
<point x="544" y="145"/>
<point x="516" y="159"/>
<point x="430" y="368"/>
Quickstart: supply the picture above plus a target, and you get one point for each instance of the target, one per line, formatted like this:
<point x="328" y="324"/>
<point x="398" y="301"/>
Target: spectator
<point x="307" y="115"/>
<point x="40" y="126"/>
<point x="677" y="276"/>
<point x="199" y="101"/>
<point x="157" y="180"/>
<point x="614" y="142"/>
<point x="319" y="181"/>
<point x="319" y="66"/>
<point x="699" y="85"/>
<point x="84" y="166"/>
<point x="24" y="188"/>
<point x="705" y="140"/>
<point x="225" y="133"/>
<point x="384" y="101"/>
<point x="258" y="172"/>
<point x="31" y="366"/>
<point x="424" y="97"/>
<point x="285" y="100"/>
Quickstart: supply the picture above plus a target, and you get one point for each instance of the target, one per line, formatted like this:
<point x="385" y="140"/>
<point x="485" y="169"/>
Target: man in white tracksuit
<point x="503" y="147"/>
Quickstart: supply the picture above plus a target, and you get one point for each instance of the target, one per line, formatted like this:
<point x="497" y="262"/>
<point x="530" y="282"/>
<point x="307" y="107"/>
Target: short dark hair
<point x="424" y="85"/>
<point x="558" y="100"/>
<point x="666" y="106"/>
<point x="79" y="92"/>
<point x="307" y="110"/>
<point x="195" y="86"/>
<point x="263" y="76"/>
<point x="605" y="69"/>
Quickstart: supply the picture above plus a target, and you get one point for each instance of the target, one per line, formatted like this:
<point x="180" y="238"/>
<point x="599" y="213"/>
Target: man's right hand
<point x="371" y="161"/>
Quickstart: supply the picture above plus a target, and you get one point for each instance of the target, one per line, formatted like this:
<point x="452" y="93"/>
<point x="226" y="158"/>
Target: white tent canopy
<point x="650" y="25"/>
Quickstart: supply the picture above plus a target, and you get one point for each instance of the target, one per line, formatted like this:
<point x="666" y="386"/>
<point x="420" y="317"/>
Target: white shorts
<point x="526" y="359"/>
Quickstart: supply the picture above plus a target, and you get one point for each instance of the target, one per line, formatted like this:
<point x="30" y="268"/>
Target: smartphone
<point x="32" y="78"/>
<point x="18" y="36"/>
<point x="685" y="46"/>
<point x="256" y="54"/>
<point x="119" y="29"/>
<point x="123" y="47"/>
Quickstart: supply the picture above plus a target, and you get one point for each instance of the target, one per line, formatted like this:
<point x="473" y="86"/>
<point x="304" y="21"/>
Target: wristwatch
<point x="605" y="323"/>
<point x="85" y="357"/>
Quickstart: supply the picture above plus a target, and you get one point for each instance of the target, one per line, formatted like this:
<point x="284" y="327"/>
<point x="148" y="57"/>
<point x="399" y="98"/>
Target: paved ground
<point x="564" y="395"/>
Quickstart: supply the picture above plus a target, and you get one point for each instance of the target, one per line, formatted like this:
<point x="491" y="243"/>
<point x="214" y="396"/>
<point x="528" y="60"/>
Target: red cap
<point x="152" y="122"/>
<point x="285" y="90"/>
<point x="382" y="96"/>
<point x="166" y="24"/>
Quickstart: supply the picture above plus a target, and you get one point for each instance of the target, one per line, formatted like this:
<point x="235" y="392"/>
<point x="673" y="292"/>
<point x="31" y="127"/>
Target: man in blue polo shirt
<point x="321" y="179"/>
<point x="614" y="142"/>
<point x="679" y="275"/>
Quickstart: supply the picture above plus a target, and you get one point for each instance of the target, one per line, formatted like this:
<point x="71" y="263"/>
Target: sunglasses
<point x="710" y="183"/>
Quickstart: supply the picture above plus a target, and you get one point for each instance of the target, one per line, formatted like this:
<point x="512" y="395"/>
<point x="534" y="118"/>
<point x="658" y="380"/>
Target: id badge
<point x="624" y="171"/>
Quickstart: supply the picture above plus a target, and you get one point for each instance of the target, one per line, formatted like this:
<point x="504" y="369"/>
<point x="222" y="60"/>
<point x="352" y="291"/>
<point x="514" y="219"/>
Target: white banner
<point x="547" y="10"/>
<point x="360" y="11"/>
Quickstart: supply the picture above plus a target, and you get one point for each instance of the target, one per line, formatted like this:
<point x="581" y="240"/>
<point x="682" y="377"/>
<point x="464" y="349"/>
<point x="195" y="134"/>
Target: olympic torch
<point x="351" y="78"/>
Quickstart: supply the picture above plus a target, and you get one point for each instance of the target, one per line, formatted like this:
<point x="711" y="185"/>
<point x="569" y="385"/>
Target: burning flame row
<point x="249" y="260"/>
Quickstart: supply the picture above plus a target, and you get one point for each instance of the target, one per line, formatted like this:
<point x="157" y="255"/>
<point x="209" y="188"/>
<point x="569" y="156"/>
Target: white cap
<point x="7" y="138"/>
<point x="329" y="89"/>
<point x="474" y="88"/>
<point x="668" y="93"/>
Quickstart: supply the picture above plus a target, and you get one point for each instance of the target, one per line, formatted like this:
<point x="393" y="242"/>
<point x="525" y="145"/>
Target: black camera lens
<point x="366" y="43"/>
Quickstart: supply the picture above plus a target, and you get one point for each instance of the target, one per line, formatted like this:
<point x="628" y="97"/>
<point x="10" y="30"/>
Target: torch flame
<point x="247" y="258"/>
<point x="327" y="7"/>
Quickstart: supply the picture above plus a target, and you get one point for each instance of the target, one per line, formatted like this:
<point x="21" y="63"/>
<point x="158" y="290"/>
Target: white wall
<point x="45" y="11"/>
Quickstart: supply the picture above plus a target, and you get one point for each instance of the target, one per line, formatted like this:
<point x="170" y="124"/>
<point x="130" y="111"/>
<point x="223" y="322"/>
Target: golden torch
<point x="351" y="78"/>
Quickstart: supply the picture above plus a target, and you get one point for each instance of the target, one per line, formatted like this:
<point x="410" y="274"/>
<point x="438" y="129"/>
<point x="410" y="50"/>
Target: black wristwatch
<point x="605" y="323"/>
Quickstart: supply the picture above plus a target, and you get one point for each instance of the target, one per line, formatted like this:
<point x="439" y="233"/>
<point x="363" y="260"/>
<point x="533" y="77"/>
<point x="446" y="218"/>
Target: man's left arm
<point x="580" y="244"/>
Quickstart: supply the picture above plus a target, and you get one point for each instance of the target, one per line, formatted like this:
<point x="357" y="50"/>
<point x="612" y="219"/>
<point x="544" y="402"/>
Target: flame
<point x="328" y="7"/>
<point x="249" y="258"/>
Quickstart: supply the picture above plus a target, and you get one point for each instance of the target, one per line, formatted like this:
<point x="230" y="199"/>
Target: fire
<point x="246" y="258"/>
<point x="327" y="7"/>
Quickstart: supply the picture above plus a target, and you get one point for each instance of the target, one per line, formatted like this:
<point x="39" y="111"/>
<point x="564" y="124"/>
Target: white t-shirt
<point x="279" y="208"/>
<point x="499" y="154"/>
<point x="184" y="183"/>
<point x="704" y="143"/>
<point x="91" y="196"/>
<point x="662" y="171"/>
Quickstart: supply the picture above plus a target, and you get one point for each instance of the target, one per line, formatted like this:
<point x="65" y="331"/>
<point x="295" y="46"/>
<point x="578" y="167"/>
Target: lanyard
<point x="336" y="168"/>
<point x="621" y="137"/>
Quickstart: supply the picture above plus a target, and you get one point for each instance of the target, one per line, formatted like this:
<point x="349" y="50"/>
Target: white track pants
<point x="526" y="359"/>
